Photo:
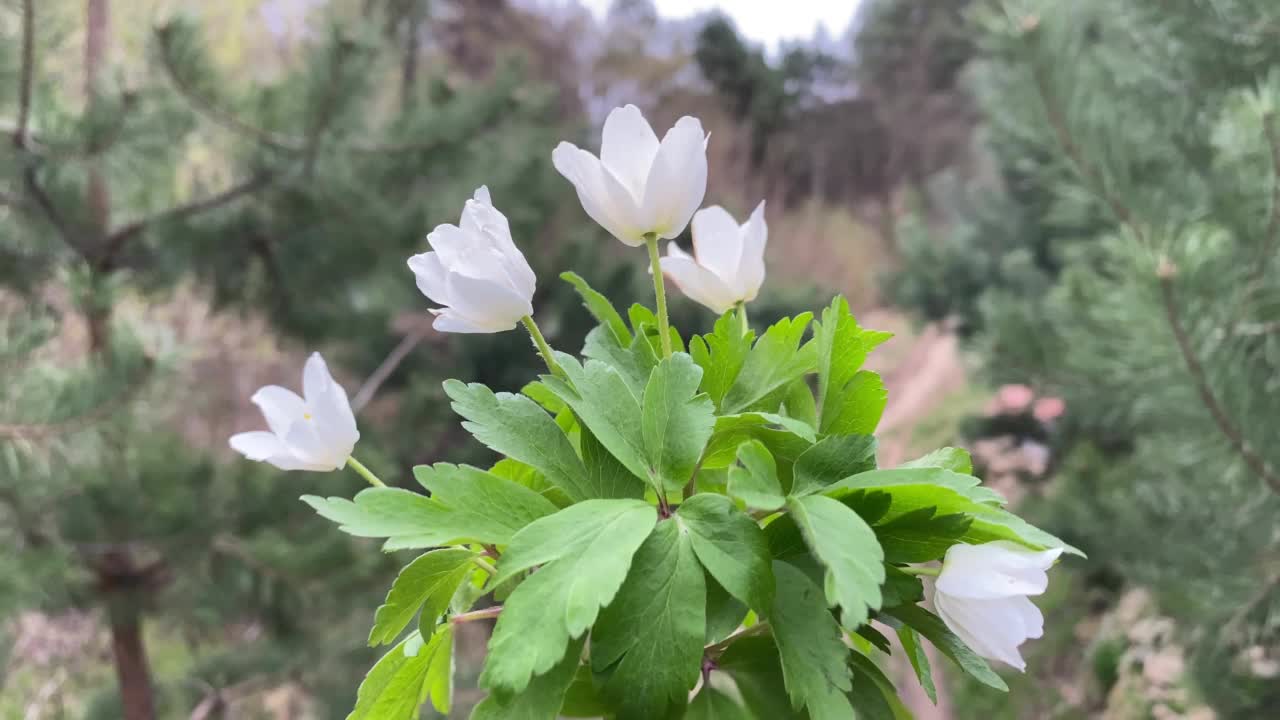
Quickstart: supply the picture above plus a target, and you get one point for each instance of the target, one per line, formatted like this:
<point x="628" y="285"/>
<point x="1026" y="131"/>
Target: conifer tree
<point x="1127" y="260"/>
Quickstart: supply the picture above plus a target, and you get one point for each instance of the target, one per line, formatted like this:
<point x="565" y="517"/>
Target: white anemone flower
<point x="476" y="272"/>
<point x="727" y="265"/>
<point x="314" y="432"/>
<point x="638" y="185"/>
<point x="983" y="594"/>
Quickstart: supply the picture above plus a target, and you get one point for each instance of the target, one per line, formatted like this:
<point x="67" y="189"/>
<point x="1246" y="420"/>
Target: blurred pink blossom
<point x="1048" y="409"/>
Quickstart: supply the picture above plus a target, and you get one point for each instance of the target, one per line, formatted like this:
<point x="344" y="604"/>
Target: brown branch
<point x="116" y="241"/>
<point x="1165" y="271"/>
<point x="388" y="366"/>
<point x="1256" y="462"/>
<point x="27" y="71"/>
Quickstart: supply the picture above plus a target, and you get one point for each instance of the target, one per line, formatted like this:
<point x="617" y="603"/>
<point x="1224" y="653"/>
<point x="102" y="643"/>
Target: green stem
<point x="543" y="348"/>
<point x="742" y="317"/>
<point x="913" y="570"/>
<point x="365" y="473"/>
<point x="466" y="617"/>
<point x="484" y="565"/>
<point x="660" y="290"/>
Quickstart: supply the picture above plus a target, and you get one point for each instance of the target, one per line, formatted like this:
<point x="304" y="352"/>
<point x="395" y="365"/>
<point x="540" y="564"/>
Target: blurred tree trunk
<point x="97" y="35"/>
<point x="130" y="657"/>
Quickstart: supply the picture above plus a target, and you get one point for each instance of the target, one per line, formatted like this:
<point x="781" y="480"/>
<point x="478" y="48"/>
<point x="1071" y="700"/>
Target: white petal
<point x="329" y="405"/>
<point x="256" y="445"/>
<point x="628" y="148"/>
<point x="459" y="250"/>
<point x="482" y="195"/>
<point x="992" y="628"/>
<point x="449" y="321"/>
<point x="700" y="284"/>
<point x="280" y="406"/>
<point x="430" y="275"/>
<point x="677" y="181"/>
<point x="717" y="241"/>
<point x="995" y="570"/>
<point x="755" y="235"/>
<point x="489" y="227"/>
<point x="285" y="461"/>
<point x="601" y="195"/>
<point x="307" y="445"/>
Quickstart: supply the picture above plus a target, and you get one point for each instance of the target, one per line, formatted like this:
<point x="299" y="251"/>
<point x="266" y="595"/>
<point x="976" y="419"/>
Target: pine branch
<point x="36" y="431"/>
<point x="1269" y="246"/>
<point x="1256" y="462"/>
<point x="1166" y="271"/>
<point x="117" y="240"/>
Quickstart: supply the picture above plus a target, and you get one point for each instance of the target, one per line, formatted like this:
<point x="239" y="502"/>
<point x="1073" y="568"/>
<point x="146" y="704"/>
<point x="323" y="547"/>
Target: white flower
<point x="727" y="265"/>
<point x="982" y="595"/>
<point x="638" y="185"/>
<point x="476" y="271"/>
<point x="315" y="433"/>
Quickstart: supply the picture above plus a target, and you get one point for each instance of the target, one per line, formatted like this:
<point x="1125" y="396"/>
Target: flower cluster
<point x="668" y="422"/>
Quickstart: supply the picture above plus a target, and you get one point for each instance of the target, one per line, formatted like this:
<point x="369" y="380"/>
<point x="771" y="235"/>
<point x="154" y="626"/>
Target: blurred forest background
<point x="1069" y="213"/>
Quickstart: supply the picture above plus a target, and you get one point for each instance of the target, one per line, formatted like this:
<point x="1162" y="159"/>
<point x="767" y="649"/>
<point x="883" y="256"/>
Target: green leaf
<point x="948" y="458"/>
<point x="523" y="474"/>
<point x="645" y="325"/>
<point x="774" y="362"/>
<point x="405" y="677"/>
<point x="606" y="406"/>
<point x="608" y="477"/>
<point x="676" y="421"/>
<point x="932" y="627"/>
<point x="753" y="664"/>
<point x="811" y="647"/>
<point x="584" y="552"/>
<point x="786" y="443"/>
<point x="650" y="637"/>
<point x="542" y="699"/>
<point x="901" y="588"/>
<point x="847" y="547"/>
<point x="582" y="700"/>
<point x="831" y="460"/>
<point x="711" y="704"/>
<point x="858" y="409"/>
<point x="914" y="649"/>
<point x="634" y="363"/>
<point x="754" y="480"/>
<point x="731" y="546"/>
<point x="725" y="613"/>
<point x="921" y="535"/>
<point x="950" y="493"/>
<point x="799" y="403"/>
<point x="515" y="426"/>
<point x="840" y="347"/>
<point x="599" y="307"/>
<point x="874" y="694"/>
<point x="721" y="354"/>
<point x="429" y="583"/>
<point x="875" y="637"/>
<point x="408" y="520"/>
<point x="483" y="500"/>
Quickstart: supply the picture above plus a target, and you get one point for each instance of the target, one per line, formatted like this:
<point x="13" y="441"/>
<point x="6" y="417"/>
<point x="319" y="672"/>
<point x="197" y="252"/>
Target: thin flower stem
<point x="930" y="571"/>
<point x="474" y="615"/>
<point x="660" y="290"/>
<point x="483" y="564"/>
<point x="543" y="348"/>
<point x="714" y="651"/>
<point x="742" y="317"/>
<point x="364" y="472"/>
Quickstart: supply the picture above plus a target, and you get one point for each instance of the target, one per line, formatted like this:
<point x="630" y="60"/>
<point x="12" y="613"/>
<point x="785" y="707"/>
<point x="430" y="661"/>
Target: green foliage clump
<point x="657" y="519"/>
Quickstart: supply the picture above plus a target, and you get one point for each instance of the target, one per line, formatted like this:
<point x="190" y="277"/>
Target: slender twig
<point x="116" y="241"/>
<point x="1200" y="379"/>
<point x="474" y="615"/>
<point x="1166" y="271"/>
<point x="386" y="368"/>
<point x="26" y="73"/>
